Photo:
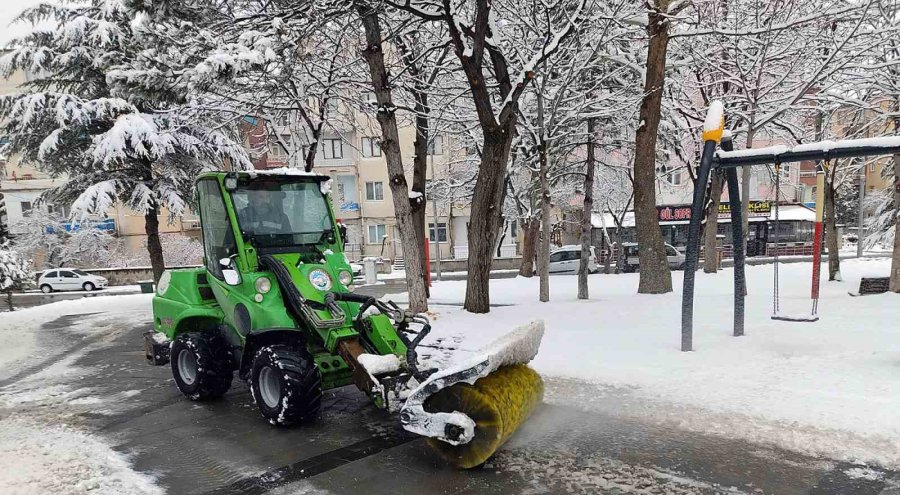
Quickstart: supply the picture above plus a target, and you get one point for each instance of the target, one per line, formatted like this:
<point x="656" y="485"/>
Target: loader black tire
<point x="211" y="358"/>
<point x="286" y="385"/>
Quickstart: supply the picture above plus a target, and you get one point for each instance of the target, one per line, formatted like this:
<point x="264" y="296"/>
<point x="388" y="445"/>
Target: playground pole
<point x="712" y="134"/>
<point x="860" y="214"/>
<point x="817" y="236"/>
<point x="737" y="241"/>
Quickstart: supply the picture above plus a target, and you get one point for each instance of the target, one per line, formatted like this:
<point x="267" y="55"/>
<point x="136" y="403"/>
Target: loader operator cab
<point x="274" y="213"/>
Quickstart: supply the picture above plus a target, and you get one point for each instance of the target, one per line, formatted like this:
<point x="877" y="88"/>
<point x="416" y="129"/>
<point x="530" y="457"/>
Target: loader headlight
<point x="263" y="285"/>
<point x="320" y="280"/>
<point x="345" y="277"/>
<point x="163" y="285"/>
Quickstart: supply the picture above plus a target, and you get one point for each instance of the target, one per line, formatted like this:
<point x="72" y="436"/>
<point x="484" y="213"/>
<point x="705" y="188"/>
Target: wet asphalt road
<point x="223" y="446"/>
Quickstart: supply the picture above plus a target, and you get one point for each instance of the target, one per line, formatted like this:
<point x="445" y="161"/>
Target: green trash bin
<point x="146" y="286"/>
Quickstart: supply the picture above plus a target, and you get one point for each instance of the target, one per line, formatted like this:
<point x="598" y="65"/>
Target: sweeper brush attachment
<point x="498" y="404"/>
<point x="471" y="409"/>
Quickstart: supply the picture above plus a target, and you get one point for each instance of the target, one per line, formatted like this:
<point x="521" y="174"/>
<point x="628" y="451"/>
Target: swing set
<point x="727" y="159"/>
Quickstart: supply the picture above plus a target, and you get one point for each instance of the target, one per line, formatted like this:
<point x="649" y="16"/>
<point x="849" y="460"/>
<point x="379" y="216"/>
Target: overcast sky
<point x="9" y="9"/>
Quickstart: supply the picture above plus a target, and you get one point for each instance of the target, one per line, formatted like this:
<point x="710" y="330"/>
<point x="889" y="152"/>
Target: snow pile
<point x="377" y="365"/>
<point x="827" y="388"/>
<point x="61" y="460"/>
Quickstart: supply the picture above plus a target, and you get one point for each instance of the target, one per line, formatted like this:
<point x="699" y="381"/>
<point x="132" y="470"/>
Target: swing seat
<point x="806" y="318"/>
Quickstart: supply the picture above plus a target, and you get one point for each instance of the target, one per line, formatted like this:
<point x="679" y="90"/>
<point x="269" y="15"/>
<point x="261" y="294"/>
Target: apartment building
<point x="350" y="155"/>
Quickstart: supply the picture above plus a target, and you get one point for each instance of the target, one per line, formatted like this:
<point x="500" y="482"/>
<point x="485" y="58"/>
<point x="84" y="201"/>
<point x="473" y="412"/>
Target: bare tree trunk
<point x="532" y="228"/>
<point x="420" y="169"/>
<point x="710" y="251"/>
<point x="895" y="257"/>
<point x="422" y="109"/>
<point x="746" y="176"/>
<point x="586" y="214"/>
<point x="154" y="246"/>
<point x="486" y="218"/>
<point x="831" y="232"/>
<point x="410" y="238"/>
<point x="544" y="251"/>
<point x="655" y="277"/>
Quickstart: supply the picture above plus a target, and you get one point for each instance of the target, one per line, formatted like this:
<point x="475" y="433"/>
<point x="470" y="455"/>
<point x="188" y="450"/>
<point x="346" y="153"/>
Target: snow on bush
<point x="14" y="269"/>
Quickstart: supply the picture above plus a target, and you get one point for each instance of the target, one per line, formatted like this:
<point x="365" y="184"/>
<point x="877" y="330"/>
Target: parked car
<point x="567" y="259"/>
<point x="70" y="279"/>
<point x="632" y="263"/>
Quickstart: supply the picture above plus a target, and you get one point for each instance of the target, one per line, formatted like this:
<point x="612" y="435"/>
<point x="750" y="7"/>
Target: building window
<point x="441" y="232"/>
<point x="370" y="147"/>
<point x="871" y="167"/>
<point x="374" y="191"/>
<point x="436" y="145"/>
<point x="376" y="233"/>
<point x="26" y="207"/>
<point x="276" y="149"/>
<point x="669" y="174"/>
<point x="513" y="229"/>
<point x="333" y="105"/>
<point x="333" y="148"/>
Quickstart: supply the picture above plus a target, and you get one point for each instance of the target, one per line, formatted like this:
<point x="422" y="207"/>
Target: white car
<point x="674" y="257"/>
<point x="70" y="279"/>
<point x="567" y="259"/>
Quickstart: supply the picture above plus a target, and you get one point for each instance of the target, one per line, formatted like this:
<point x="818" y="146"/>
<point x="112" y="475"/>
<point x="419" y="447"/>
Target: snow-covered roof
<point x="786" y="213"/>
<point x="598" y="220"/>
<point x="794" y="212"/>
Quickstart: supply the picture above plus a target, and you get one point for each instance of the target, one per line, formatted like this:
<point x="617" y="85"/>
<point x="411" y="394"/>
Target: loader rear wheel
<point x="201" y="365"/>
<point x="286" y="385"/>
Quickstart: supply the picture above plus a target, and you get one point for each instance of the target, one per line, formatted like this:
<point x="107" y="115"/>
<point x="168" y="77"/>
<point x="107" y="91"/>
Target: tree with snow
<point x="14" y="272"/>
<point x="110" y="140"/>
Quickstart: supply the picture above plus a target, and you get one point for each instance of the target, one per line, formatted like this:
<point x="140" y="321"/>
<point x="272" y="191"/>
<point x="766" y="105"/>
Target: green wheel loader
<point x="274" y="305"/>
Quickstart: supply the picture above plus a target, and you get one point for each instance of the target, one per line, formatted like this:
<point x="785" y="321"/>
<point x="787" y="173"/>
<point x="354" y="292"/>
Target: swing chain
<point x="777" y="228"/>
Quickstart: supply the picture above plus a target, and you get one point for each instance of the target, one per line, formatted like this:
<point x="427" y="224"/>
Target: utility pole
<point x="860" y="214"/>
<point x="437" y="238"/>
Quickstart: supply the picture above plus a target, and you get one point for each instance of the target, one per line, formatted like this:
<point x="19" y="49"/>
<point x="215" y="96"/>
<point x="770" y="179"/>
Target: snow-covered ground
<point x="826" y="388"/>
<point x="42" y="447"/>
<point x="18" y="329"/>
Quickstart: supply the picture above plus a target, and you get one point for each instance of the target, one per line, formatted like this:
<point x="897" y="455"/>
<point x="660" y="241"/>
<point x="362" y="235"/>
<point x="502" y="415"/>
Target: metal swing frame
<point x="729" y="161"/>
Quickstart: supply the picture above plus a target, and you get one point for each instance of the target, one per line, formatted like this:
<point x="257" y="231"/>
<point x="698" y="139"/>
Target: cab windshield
<point x="281" y="213"/>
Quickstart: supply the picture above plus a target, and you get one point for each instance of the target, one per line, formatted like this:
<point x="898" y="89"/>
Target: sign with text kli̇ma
<point x="757" y="209"/>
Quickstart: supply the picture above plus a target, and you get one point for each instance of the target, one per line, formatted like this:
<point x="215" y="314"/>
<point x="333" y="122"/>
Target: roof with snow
<point x="787" y="213"/>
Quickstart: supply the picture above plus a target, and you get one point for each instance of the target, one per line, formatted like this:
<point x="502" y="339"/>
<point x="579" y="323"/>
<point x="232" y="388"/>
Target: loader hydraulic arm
<point x="401" y="317"/>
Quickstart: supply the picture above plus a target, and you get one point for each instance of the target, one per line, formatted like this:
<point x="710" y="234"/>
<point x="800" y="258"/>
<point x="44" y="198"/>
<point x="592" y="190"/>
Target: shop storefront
<point x="795" y="228"/>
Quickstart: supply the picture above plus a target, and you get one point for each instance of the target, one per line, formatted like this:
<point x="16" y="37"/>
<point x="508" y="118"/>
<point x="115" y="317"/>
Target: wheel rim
<point x="46" y="289"/>
<point x="88" y="286"/>
<point x="187" y="366"/>
<point x="269" y="386"/>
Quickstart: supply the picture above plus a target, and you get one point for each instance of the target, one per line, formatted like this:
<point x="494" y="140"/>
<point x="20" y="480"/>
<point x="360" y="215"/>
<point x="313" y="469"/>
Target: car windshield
<point x="281" y="213"/>
<point x="82" y="273"/>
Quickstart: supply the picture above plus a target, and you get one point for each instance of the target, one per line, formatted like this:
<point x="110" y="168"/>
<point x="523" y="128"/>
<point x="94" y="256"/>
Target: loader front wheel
<point x="286" y="385"/>
<point x="201" y="365"/>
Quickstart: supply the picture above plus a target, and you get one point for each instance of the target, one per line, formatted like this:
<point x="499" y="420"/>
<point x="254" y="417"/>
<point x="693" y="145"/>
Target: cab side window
<point x="218" y="239"/>
<point x="51" y="275"/>
<point x="67" y="275"/>
<point x="670" y="251"/>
